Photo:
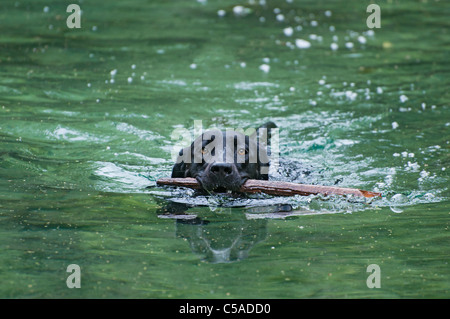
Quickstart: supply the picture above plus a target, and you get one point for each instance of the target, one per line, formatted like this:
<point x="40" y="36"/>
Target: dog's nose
<point x="223" y="169"/>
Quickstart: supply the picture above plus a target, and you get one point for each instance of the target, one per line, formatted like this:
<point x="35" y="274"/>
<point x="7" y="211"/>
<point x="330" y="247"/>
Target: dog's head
<point x="223" y="160"/>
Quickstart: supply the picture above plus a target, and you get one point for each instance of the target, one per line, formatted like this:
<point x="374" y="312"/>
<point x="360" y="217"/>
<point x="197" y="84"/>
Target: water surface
<point x="87" y="115"/>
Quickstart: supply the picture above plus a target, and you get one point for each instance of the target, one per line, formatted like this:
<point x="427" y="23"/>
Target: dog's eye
<point x="205" y="151"/>
<point x="242" y="151"/>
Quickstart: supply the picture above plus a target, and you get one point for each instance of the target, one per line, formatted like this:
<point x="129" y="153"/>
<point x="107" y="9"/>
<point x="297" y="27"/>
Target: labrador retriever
<point x="221" y="161"/>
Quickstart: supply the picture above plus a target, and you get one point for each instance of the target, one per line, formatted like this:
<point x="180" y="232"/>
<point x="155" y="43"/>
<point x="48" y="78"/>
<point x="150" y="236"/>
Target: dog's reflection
<point x="222" y="235"/>
<point x="221" y="242"/>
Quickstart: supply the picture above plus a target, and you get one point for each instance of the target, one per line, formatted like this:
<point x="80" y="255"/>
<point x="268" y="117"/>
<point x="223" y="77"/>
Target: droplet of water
<point x="362" y="39"/>
<point x="288" y="31"/>
<point x="399" y="199"/>
<point x="280" y="17"/>
<point x="403" y="98"/>
<point x="221" y="13"/>
<point x="240" y="11"/>
<point x="302" y="44"/>
<point x="265" y="68"/>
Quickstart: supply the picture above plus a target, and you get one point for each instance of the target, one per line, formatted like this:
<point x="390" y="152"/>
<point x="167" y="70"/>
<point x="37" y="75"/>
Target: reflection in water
<point x="221" y="234"/>
<point x="221" y="241"/>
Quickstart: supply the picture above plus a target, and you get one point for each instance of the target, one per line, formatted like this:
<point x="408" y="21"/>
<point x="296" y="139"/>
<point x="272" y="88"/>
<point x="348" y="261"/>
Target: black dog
<point x="222" y="161"/>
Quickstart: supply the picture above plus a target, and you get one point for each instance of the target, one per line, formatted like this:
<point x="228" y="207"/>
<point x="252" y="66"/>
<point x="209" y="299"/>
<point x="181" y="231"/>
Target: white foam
<point x="71" y="135"/>
<point x="118" y="179"/>
<point x="253" y="85"/>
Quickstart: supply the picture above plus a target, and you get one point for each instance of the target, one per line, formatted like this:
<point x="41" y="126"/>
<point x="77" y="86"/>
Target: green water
<point x="86" y="117"/>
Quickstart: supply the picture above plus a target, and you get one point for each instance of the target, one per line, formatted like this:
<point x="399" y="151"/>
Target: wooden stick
<point x="276" y="188"/>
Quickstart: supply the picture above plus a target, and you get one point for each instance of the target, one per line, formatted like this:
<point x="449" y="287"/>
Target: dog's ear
<point x="268" y="125"/>
<point x="263" y="133"/>
<point x="179" y="169"/>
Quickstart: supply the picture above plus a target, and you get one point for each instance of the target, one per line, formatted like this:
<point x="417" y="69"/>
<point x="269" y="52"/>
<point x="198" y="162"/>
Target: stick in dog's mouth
<point x="276" y="188"/>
